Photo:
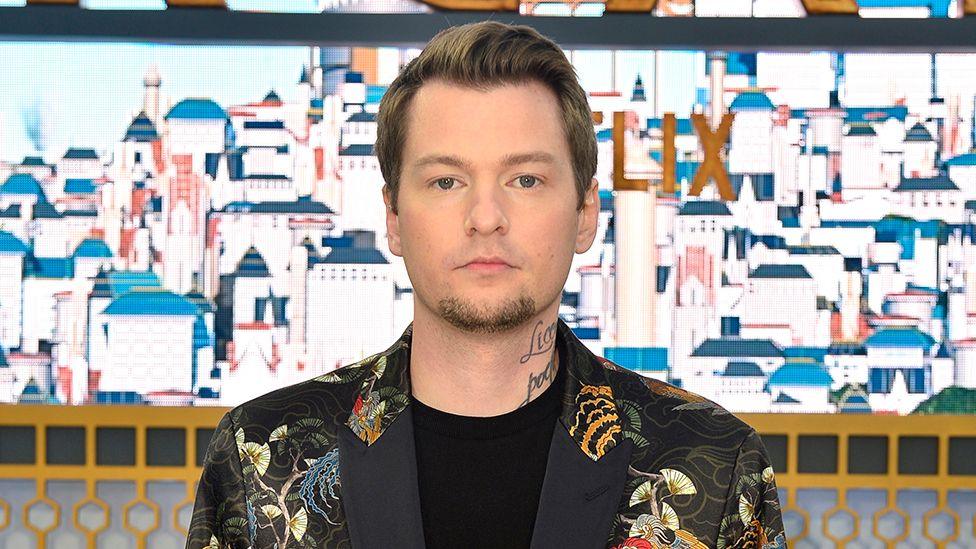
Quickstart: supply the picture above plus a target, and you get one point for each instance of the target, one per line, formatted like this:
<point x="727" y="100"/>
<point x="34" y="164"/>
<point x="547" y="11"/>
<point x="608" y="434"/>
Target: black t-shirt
<point x="480" y="477"/>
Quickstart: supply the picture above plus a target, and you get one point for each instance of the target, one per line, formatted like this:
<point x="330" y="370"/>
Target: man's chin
<point x="489" y="319"/>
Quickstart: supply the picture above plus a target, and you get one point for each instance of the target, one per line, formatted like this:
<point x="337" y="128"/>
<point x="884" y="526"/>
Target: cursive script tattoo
<point x="540" y="342"/>
<point x="536" y="381"/>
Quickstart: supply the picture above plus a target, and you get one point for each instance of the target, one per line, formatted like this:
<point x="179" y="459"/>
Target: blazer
<point x="633" y="463"/>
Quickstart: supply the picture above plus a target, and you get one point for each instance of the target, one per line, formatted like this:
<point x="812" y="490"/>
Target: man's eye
<point x="522" y="179"/>
<point x="438" y="183"/>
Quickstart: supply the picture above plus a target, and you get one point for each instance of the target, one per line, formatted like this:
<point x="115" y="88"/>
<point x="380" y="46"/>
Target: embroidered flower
<point x="635" y="543"/>
<point x="368" y="416"/>
<point x="754" y="537"/>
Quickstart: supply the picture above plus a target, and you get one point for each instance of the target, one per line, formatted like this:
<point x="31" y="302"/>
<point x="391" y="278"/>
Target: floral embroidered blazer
<point x="633" y="463"/>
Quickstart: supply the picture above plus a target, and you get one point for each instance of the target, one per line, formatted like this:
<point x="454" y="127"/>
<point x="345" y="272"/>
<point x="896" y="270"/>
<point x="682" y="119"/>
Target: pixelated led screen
<point x="198" y="225"/>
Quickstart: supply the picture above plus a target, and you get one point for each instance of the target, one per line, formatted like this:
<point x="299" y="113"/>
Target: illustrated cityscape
<point x="213" y="252"/>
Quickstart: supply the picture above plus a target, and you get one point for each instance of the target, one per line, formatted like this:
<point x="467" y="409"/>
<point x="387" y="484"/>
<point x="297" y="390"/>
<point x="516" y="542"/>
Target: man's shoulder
<point x="327" y="397"/>
<point x="662" y="406"/>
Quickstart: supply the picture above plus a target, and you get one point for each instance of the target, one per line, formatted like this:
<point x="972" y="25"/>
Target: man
<point x="487" y="423"/>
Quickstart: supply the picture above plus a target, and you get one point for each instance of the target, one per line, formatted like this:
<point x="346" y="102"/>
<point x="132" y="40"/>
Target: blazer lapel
<point x="588" y="456"/>
<point x="379" y="487"/>
<point x="377" y="460"/>
<point x="579" y="495"/>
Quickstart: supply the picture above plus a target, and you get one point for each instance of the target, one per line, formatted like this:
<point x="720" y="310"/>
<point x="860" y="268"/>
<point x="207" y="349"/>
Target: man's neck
<point x="482" y="375"/>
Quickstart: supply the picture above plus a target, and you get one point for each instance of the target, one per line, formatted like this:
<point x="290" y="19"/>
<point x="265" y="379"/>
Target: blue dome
<point x="968" y="159"/>
<point x="93" y="247"/>
<point x="752" y="101"/>
<point x="152" y="302"/>
<point x="23" y="183"/>
<point x="197" y="109"/>
<point x="900" y="337"/>
<point x="808" y="374"/>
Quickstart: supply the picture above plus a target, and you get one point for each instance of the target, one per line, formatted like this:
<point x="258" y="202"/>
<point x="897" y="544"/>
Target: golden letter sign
<point x="712" y="166"/>
<point x="711" y="142"/>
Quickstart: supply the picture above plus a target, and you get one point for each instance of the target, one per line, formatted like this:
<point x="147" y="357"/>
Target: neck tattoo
<point x="536" y="381"/>
<point x="540" y="342"/>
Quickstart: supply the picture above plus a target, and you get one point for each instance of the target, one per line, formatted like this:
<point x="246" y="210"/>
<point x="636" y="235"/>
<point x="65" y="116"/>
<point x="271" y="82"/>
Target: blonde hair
<point x="482" y="56"/>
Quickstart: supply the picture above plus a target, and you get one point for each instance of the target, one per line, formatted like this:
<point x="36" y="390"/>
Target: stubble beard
<point x="506" y="316"/>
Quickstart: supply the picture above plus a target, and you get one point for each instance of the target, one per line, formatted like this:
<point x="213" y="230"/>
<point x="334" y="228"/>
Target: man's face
<point x="465" y="193"/>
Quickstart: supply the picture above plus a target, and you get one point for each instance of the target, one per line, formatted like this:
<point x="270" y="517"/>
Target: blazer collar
<point x="589" y="413"/>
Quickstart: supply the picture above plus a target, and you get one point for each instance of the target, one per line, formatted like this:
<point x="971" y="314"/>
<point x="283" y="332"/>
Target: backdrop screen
<point x="196" y="225"/>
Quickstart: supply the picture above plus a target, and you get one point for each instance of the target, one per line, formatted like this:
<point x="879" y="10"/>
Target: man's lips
<point x="486" y="267"/>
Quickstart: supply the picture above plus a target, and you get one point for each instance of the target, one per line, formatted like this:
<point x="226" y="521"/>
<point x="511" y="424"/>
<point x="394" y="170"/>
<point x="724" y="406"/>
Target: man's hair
<point x="483" y="56"/>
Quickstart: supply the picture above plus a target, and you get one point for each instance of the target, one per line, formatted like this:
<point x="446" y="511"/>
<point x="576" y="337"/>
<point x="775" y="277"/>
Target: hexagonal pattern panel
<point x="140" y="516"/>
<point x="4" y="514"/>
<point x="181" y="516"/>
<point x="43" y="515"/>
<point x="840" y="525"/>
<point x="796" y="521"/>
<point x="891" y="525"/>
<point x="940" y="525"/>
<point x="91" y="515"/>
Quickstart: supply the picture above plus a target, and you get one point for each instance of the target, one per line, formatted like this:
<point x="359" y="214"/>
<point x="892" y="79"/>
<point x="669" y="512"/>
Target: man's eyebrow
<point x="515" y="159"/>
<point x="508" y="161"/>
<point x="446" y="159"/>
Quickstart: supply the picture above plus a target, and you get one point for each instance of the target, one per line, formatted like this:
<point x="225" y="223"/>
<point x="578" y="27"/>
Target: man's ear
<point x="588" y="218"/>
<point x="392" y="224"/>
